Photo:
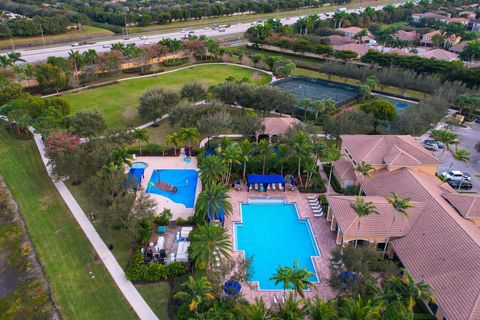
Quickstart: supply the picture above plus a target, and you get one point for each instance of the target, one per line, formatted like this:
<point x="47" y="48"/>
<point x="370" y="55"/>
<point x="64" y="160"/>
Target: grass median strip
<point x="81" y="286"/>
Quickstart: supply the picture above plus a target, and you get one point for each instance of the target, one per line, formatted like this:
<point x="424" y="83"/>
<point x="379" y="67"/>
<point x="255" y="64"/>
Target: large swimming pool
<point x="184" y="180"/>
<point x="274" y="235"/>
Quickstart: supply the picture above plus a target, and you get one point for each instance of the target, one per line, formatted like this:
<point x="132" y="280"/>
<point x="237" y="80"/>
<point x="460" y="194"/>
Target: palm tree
<point x="318" y="106"/>
<point x="306" y="103"/>
<point x="320" y="309"/>
<point x="299" y="277"/>
<point x="282" y="275"/>
<point x="447" y="137"/>
<point x="245" y="150"/>
<point x="141" y="135"/>
<point x="462" y="155"/>
<point x="358" y="309"/>
<point x="214" y="199"/>
<point x="364" y="168"/>
<point x="410" y="291"/>
<point x="76" y="58"/>
<point x="362" y="209"/>
<point x="301" y="145"/>
<point x="208" y="242"/>
<point x="401" y="206"/>
<point x="291" y="309"/>
<point x="212" y="170"/>
<point x="190" y="135"/>
<point x="90" y="56"/>
<point x="174" y="139"/>
<point x="332" y="154"/>
<point x="264" y="149"/>
<point x="230" y="156"/>
<point x="195" y="291"/>
<point x="121" y="156"/>
<point x="254" y="311"/>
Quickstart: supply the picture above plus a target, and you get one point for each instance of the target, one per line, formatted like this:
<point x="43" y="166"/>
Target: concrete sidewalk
<point x="129" y="291"/>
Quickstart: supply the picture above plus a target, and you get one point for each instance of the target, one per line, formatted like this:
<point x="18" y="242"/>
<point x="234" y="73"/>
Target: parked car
<point x="126" y="38"/>
<point x="429" y="145"/>
<point x="75" y="44"/>
<point x="457" y="184"/>
<point x="107" y="46"/>
<point x="477" y="120"/>
<point x="439" y="144"/>
<point x="221" y="30"/>
<point x="143" y="37"/>
<point x="456" y="175"/>
<point x="147" y="42"/>
<point x="191" y="31"/>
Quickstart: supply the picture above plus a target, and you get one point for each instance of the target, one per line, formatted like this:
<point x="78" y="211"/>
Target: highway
<point x="36" y="55"/>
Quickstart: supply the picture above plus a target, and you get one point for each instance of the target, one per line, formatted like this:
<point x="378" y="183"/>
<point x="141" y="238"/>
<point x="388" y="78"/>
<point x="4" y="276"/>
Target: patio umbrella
<point x="232" y="288"/>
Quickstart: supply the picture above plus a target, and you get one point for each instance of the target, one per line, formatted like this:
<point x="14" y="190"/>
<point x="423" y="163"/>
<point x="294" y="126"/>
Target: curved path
<point x="160" y="74"/>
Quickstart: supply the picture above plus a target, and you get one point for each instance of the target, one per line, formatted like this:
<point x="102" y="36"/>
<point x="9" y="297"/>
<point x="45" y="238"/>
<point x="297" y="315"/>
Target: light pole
<point x="43" y="38"/>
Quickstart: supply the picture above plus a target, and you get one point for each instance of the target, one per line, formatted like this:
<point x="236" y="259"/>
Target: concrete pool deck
<point x="321" y="232"/>
<point x="157" y="162"/>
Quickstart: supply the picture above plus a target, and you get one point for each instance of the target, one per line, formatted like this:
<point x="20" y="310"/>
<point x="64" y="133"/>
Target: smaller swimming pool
<point x="183" y="180"/>
<point x="139" y="165"/>
<point x="399" y="104"/>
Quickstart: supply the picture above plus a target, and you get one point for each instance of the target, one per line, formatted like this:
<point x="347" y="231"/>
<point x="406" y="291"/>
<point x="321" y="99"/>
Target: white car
<point x="107" y="46"/>
<point x="75" y="44"/>
<point x="147" y="42"/>
<point x="456" y="175"/>
<point x="143" y="38"/>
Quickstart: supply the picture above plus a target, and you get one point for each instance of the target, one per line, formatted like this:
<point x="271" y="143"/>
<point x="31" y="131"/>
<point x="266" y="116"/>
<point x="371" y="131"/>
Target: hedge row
<point x="138" y="271"/>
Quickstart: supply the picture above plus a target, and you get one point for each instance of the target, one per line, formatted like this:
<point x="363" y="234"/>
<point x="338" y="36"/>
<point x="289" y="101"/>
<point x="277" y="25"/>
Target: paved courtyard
<point x="468" y="137"/>
<point x="321" y="232"/>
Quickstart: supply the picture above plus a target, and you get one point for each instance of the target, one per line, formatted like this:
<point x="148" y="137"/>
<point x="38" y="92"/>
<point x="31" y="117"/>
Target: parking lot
<point x="468" y="137"/>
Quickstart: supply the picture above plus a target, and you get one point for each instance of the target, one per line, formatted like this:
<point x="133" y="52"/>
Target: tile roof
<point x="343" y="169"/>
<point x="459" y="20"/>
<point x="374" y="225"/>
<point x="373" y="149"/>
<point x="396" y="157"/>
<point x="337" y="40"/>
<point x="406" y="35"/>
<point x="467" y="205"/>
<point x="440" y="54"/>
<point x="353" y="30"/>
<point x="360" y="49"/>
<point x="278" y="125"/>
<point x="442" y="248"/>
<point x="459" y="47"/>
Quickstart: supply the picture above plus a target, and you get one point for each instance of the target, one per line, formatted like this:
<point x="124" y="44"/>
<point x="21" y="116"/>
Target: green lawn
<point x="113" y="100"/>
<point x="65" y="253"/>
<point x="156" y="295"/>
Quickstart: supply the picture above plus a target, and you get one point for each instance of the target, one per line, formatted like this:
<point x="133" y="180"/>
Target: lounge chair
<point x="316" y="207"/>
<point x="182" y="251"/>
<point x="313" y="197"/>
<point x="274" y="187"/>
<point x="160" y="243"/>
<point x="269" y="186"/>
<point x="255" y="186"/>
<point x="318" y="214"/>
<point x="185" y="232"/>
<point x="314" y="203"/>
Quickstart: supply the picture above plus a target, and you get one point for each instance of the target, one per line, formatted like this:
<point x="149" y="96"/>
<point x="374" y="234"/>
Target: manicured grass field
<point x="156" y="295"/>
<point x="113" y="100"/>
<point x="65" y="253"/>
<point x="88" y="32"/>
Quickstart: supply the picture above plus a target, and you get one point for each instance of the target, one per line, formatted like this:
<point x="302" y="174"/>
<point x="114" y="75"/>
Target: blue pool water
<point x="274" y="235"/>
<point x="185" y="180"/>
<point x="139" y="165"/>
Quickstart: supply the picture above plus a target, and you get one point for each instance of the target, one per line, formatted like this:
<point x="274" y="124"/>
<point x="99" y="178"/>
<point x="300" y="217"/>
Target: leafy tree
<point x="471" y="52"/>
<point x="156" y="102"/>
<point x="140" y="218"/>
<point x="211" y="201"/>
<point x="447" y="137"/>
<point x="320" y="309"/>
<point x="141" y="135"/>
<point x="209" y="242"/>
<point x="193" y="91"/>
<point x="225" y="92"/>
<point x="214" y="123"/>
<point x="189" y="135"/>
<point x="380" y="110"/>
<point x="212" y="170"/>
<point x="283" y="67"/>
<point x="49" y="75"/>
<point x="362" y="209"/>
<point x="9" y="91"/>
<point x="230" y="156"/>
<point x="248" y="125"/>
<point x="88" y="123"/>
<point x="401" y="206"/>
<point x="195" y="292"/>
<point x="174" y="139"/>
<point x="121" y="157"/>
<point x="358" y="309"/>
<point x="301" y="145"/>
<point x="255" y="311"/>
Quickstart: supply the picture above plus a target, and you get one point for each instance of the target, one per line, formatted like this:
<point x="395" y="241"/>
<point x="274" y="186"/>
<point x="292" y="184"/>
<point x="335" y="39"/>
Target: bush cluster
<point x="174" y="62"/>
<point x="138" y="271"/>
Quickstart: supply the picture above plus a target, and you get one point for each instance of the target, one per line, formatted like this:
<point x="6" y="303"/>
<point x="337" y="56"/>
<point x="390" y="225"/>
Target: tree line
<point x="34" y="27"/>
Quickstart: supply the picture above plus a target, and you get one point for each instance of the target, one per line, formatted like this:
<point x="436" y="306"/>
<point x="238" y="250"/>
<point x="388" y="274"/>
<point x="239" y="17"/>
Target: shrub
<point x="175" y="62"/>
<point x="164" y="217"/>
<point x="138" y="271"/>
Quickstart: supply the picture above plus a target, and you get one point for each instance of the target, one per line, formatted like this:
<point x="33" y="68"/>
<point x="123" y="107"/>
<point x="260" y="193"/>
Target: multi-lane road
<point x="35" y="55"/>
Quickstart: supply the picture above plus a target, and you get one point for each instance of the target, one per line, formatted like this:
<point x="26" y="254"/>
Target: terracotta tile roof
<point x="460" y="20"/>
<point x="343" y="169"/>
<point x="440" y="54"/>
<point x="406" y="35"/>
<point x="431" y="15"/>
<point x="466" y="204"/>
<point x="432" y="33"/>
<point x="374" y="225"/>
<point x="353" y="30"/>
<point x="278" y="125"/>
<point x="442" y="248"/>
<point x="458" y="47"/>
<point x="374" y="148"/>
<point x="337" y="40"/>
<point x="360" y="49"/>
<point x="396" y="157"/>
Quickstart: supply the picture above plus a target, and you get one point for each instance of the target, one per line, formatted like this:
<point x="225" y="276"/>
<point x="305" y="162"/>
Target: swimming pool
<point x="273" y="234"/>
<point x="184" y="180"/>
<point x="399" y="104"/>
<point x="139" y="165"/>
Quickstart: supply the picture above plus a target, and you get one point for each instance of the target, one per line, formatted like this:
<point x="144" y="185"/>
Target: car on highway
<point x="191" y="31"/>
<point x="206" y="28"/>
<point x="221" y="30"/>
<point x="147" y="42"/>
<point x="460" y="184"/>
<point x="477" y="120"/>
<point x="126" y="38"/>
<point x="143" y="37"/>
<point x="439" y="144"/>
<point x="456" y="175"/>
<point x="427" y="144"/>
<point x="106" y="46"/>
<point x="75" y="44"/>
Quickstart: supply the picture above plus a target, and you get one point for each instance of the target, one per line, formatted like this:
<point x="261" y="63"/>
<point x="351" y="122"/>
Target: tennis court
<point x="317" y="89"/>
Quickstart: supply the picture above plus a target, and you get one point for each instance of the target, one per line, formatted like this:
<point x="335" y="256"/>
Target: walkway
<point x="129" y="291"/>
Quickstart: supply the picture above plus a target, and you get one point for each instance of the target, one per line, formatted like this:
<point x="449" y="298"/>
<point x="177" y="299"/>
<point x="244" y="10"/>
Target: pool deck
<point x="321" y="232"/>
<point x="157" y="162"/>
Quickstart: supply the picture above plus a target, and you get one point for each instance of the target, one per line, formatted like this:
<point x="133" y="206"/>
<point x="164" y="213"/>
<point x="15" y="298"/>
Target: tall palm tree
<point x="90" y="56"/>
<point x="447" y="137"/>
<point x="212" y="200"/>
<point x="121" y="156"/>
<point x="306" y="104"/>
<point x="76" y="59"/>
<point x="141" y="135"/>
<point x="212" y="170"/>
<point x="364" y="168"/>
<point x="320" y="309"/>
<point x="282" y="275"/>
<point x="190" y="135"/>
<point x="358" y="309"/>
<point x="332" y="154"/>
<point x="410" y="291"/>
<point x="319" y="107"/>
<point x="254" y="311"/>
<point x="264" y="149"/>
<point x="301" y="145"/>
<point x="195" y="291"/>
<point x="230" y="155"/>
<point x="299" y="277"/>
<point x="207" y="243"/>
<point x="245" y="150"/>
<point x="401" y="206"/>
<point x="362" y="209"/>
<point x="174" y="139"/>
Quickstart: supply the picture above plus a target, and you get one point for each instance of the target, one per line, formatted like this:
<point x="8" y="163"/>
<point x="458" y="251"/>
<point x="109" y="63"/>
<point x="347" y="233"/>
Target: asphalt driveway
<point x="468" y="137"/>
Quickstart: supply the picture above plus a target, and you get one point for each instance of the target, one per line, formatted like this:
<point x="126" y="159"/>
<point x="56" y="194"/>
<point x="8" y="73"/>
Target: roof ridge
<point x="405" y="153"/>
<point x="382" y="137"/>
<point x="475" y="305"/>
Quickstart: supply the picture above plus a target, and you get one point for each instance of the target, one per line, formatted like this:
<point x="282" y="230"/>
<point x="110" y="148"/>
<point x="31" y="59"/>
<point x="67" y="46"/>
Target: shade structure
<point x="265" y="179"/>
<point x="218" y="215"/>
<point x="232" y="288"/>
<point x="135" y="174"/>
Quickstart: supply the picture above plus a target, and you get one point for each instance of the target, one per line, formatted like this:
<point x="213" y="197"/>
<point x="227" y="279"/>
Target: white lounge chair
<point x="160" y="243"/>
<point x="316" y="207"/>
<point x="269" y="186"/>
<point x="273" y="186"/>
<point x="255" y="186"/>
<point x="318" y="215"/>
<point x="182" y="251"/>
<point x="313" y="197"/>
<point x="185" y="232"/>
